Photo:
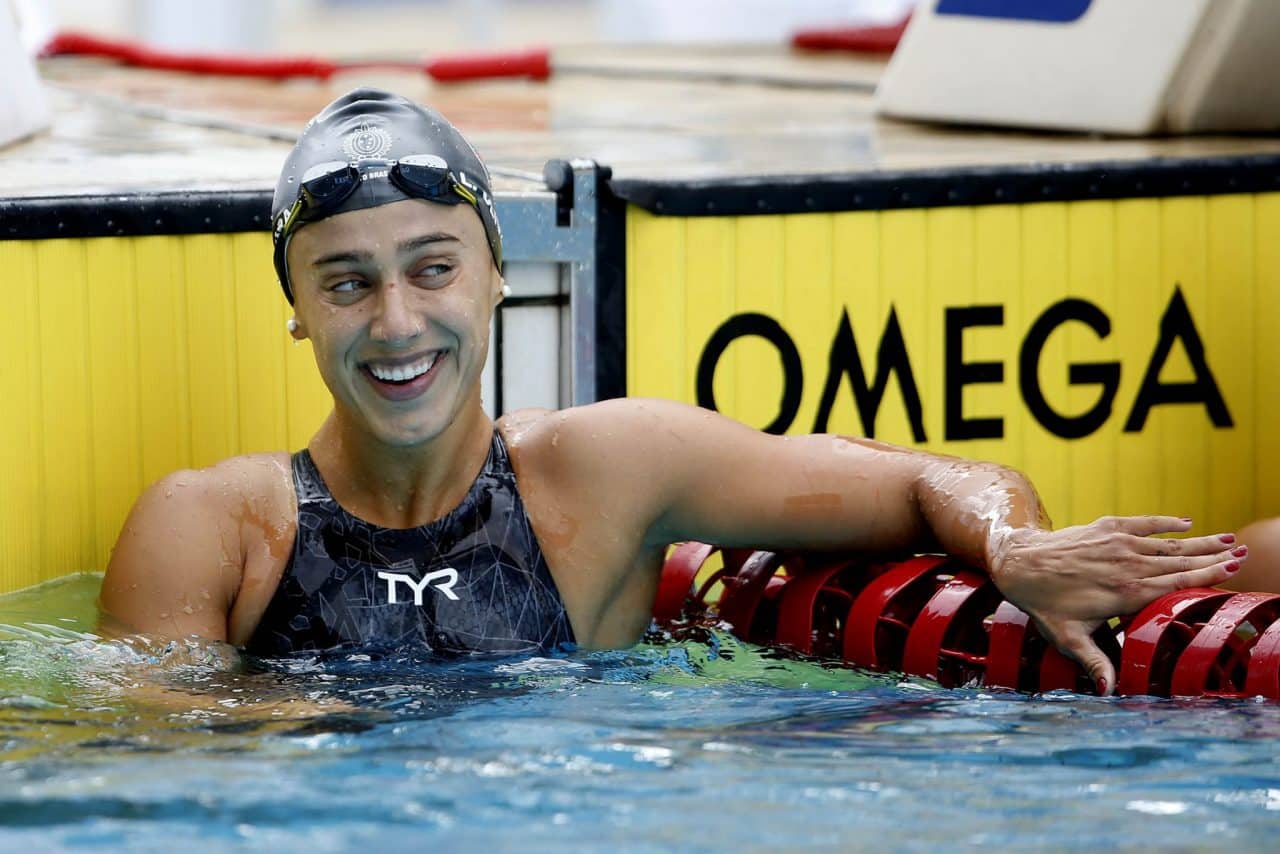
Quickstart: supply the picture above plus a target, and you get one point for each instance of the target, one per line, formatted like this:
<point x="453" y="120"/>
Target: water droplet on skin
<point x="187" y="609"/>
<point x="168" y="493"/>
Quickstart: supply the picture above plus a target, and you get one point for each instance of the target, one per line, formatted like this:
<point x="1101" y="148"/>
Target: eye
<point x="432" y="273"/>
<point x="347" y="289"/>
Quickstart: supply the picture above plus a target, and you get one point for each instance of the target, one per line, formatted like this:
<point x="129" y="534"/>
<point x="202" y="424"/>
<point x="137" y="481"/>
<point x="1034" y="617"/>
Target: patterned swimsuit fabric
<point x="472" y="582"/>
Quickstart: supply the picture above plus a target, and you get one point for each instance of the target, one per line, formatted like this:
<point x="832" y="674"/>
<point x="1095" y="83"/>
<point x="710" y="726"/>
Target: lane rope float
<point x="935" y="617"/>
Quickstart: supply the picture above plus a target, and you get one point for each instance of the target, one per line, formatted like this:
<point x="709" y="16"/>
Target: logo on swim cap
<point x="366" y="143"/>
<point x="483" y="195"/>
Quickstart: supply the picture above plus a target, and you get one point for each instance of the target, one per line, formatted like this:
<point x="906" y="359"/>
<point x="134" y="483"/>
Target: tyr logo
<point x="444" y="578"/>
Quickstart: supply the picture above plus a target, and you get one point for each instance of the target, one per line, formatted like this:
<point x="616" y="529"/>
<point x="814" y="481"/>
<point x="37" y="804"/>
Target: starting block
<point x="1129" y="67"/>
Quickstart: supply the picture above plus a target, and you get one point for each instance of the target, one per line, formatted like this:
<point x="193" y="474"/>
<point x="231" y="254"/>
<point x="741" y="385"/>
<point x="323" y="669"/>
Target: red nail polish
<point x="1101" y="686"/>
<point x="1228" y="538"/>
<point x="1232" y="566"/>
<point x="1240" y="552"/>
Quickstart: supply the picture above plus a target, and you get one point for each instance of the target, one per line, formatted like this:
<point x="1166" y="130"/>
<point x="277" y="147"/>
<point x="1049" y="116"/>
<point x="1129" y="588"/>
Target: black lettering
<point x="1177" y="325"/>
<point x="740" y="326"/>
<point x="891" y="357"/>
<point x="1104" y="374"/>
<point x="960" y="373"/>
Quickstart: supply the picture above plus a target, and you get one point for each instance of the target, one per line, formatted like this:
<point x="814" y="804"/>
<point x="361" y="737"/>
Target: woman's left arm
<point x="715" y="480"/>
<point x="1072" y="579"/>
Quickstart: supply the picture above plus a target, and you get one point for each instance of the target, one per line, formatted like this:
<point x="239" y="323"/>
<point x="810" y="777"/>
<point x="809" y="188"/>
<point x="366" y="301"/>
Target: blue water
<point x="695" y="744"/>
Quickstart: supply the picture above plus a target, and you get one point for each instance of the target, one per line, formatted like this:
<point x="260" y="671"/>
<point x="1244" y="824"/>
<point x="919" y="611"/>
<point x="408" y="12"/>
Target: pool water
<point x="697" y="743"/>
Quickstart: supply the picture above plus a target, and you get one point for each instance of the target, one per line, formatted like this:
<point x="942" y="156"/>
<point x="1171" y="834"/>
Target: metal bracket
<point x="560" y="226"/>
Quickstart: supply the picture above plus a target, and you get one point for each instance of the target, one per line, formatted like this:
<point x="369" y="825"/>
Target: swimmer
<point x="413" y="518"/>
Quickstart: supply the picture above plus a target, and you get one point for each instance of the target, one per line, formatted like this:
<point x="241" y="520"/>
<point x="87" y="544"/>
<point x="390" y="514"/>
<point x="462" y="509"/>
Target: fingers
<point x="1145" y="526"/>
<point x="1170" y="565"/>
<point x="1074" y="639"/>
<point x="1175" y="561"/>
<point x="1216" y="556"/>
<point x="1208" y="576"/>
<point x="1213" y="544"/>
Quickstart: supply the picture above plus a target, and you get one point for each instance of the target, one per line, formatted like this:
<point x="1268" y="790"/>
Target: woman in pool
<point x="412" y="518"/>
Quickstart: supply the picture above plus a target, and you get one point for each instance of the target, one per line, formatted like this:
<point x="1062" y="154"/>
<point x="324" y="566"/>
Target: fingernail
<point x="1232" y="566"/>
<point x="1187" y="519"/>
<point x="1228" y="538"/>
<point x="1101" y="685"/>
<point x="1240" y="552"/>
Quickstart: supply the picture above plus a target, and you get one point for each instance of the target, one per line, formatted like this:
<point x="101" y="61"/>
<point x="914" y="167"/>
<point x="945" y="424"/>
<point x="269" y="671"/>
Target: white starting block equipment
<point x="23" y="109"/>
<point x="1113" y="66"/>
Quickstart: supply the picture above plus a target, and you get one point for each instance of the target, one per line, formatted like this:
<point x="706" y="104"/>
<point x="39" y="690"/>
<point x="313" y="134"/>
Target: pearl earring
<point x="292" y="325"/>
<point x="506" y="290"/>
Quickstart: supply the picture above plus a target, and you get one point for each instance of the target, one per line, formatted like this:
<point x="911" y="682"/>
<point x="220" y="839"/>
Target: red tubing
<point x="132" y="53"/>
<point x="932" y="616"/>
<point x="531" y="64"/>
<point x="882" y="39"/>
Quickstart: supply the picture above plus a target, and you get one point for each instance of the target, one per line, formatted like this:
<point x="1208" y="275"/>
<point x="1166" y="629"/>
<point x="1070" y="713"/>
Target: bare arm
<point x="177" y="565"/>
<point x="1263" y="572"/>
<point x="695" y="475"/>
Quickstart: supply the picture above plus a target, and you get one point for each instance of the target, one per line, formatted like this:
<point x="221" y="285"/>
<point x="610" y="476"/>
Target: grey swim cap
<point x="369" y="128"/>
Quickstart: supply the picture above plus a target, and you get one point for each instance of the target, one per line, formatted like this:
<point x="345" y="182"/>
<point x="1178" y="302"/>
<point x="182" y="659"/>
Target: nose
<point x="394" y="322"/>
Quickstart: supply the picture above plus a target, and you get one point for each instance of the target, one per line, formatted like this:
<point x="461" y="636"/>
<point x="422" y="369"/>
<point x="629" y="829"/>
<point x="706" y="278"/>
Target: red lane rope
<point x="133" y="53"/>
<point x="534" y="64"/>
<point x="932" y="616"/>
<point x="875" y="39"/>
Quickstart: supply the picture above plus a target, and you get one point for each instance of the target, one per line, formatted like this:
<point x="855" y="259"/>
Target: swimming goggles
<point x="326" y="186"/>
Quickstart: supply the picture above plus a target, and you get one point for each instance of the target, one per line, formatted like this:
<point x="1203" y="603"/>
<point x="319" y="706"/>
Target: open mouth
<point x="402" y="380"/>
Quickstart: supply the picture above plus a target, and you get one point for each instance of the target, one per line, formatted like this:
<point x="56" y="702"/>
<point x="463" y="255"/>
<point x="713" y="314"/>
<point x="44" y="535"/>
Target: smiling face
<point x="397" y="300"/>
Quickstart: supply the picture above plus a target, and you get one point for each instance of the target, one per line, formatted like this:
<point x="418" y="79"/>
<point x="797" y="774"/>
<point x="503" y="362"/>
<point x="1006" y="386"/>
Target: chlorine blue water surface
<point x="694" y="744"/>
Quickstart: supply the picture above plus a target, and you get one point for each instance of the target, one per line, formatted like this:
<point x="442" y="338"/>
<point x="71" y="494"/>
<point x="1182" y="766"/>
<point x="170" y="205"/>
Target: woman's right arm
<point x="178" y="562"/>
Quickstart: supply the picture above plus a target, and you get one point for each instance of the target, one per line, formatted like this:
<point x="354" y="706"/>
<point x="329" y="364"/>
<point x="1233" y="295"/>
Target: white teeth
<point x="403" y="373"/>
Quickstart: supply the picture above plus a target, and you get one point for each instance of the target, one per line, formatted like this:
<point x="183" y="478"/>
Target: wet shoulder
<point x="230" y="482"/>
<point x="184" y="549"/>
<point x="243" y="494"/>
<point x="613" y="437"/>
<point x="555" y="441"/>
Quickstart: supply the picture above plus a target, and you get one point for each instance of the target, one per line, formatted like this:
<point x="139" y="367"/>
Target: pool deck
<point x="649" y="113"/>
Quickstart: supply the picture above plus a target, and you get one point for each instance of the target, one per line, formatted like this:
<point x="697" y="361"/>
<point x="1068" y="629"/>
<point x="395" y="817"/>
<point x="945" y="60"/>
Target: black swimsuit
<point x="474" y="581"/>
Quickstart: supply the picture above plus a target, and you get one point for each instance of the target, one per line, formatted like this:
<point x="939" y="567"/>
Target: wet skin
<point x="411" y="284"/>
<point x="1263" y="570"/>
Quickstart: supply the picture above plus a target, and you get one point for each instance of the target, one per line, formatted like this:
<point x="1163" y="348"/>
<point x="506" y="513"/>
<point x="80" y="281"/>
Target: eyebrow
<point x="413" y="244"/>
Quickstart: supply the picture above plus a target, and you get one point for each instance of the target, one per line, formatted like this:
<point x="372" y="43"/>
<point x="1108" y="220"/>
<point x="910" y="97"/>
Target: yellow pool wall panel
<point x="135" y="357"/>
<point x="1202" y="268"/>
